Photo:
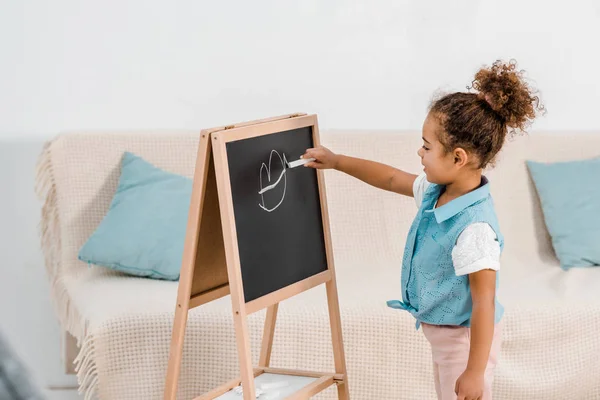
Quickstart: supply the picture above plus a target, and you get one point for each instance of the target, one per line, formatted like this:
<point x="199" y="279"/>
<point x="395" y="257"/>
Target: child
<point x="452" y="253"/>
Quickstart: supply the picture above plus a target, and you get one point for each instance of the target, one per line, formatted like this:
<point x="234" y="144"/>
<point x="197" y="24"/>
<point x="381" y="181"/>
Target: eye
<point x="426" y="148"/>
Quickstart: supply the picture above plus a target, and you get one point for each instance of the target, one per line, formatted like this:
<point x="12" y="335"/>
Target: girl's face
<point x="439" y="165"/>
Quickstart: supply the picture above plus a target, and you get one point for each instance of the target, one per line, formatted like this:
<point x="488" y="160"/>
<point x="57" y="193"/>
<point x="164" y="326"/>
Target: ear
<point x="461" y="158"/>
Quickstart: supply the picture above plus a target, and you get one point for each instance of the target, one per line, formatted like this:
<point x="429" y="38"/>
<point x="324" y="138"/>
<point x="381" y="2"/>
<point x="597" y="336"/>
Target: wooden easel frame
<point x="207" y="276"/>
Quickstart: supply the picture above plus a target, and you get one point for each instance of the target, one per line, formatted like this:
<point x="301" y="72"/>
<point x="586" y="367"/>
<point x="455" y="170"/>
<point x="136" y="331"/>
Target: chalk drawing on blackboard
<point x="282" y="177"/>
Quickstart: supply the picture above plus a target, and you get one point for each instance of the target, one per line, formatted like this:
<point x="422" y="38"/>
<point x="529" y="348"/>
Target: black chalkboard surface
<point x="277" y="211"/>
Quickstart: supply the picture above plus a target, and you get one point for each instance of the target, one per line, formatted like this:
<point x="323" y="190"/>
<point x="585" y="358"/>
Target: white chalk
<point x="240" y="391"/>
<point x="299" y="162"/>
<point x="263" y="389"/>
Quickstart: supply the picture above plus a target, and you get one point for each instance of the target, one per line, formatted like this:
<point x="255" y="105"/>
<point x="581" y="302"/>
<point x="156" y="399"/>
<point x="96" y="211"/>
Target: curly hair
<point x="504" y="104"/>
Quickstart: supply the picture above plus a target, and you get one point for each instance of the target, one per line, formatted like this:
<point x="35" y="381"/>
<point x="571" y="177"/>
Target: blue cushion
<point x="144" y="229"/>
<point x="569" y="193"/>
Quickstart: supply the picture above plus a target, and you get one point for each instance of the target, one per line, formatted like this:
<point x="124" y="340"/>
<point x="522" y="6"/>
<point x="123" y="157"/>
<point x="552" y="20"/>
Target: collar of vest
<point x="455" y="206"/>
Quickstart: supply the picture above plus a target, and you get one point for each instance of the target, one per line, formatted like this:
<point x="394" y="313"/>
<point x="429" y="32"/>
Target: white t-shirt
<point x="476" y="247"/>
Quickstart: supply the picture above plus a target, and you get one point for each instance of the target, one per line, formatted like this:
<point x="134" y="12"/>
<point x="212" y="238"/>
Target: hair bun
<point x="504" y="88"/>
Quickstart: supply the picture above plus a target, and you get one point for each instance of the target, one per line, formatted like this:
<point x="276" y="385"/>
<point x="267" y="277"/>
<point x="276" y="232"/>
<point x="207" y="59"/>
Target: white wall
<point x="27" y="318"/>
<point x="70" y="64"/>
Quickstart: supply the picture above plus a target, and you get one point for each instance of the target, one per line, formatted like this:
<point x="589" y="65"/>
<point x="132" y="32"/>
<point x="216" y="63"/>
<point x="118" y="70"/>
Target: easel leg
<point x="245" y="355"/>
<point x="176" y="352"/>
<point x="336" y="338"/>
<point x="268" y="334"/>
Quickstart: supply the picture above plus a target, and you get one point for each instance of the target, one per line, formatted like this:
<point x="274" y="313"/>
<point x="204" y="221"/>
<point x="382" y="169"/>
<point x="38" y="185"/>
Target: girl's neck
<point x="462" y="186"/>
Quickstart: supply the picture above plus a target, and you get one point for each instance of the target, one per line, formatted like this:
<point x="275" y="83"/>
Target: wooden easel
<point x="211" y="267"/>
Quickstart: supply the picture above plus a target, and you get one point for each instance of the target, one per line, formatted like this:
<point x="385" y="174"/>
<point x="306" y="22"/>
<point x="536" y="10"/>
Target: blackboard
<point x="279" y="232"/>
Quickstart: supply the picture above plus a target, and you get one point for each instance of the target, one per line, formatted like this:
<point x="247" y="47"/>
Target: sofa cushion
<point x="569" y="193"/>
<point x="143" y="231"/>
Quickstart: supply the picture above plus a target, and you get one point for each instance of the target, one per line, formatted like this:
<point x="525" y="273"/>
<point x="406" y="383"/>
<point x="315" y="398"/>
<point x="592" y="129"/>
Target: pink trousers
<point x="450" y="350"/>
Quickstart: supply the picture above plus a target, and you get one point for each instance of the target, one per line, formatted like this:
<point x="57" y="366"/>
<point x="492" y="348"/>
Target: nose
<point x="420" y="152"/>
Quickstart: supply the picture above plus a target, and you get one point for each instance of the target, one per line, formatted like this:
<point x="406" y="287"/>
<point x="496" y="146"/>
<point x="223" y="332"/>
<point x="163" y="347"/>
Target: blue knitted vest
<point x="431" y="291"/>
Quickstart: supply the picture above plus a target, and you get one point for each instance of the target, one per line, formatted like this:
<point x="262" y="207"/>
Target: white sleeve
<point x="419" y="187"/>
<point x="476" y="249"/>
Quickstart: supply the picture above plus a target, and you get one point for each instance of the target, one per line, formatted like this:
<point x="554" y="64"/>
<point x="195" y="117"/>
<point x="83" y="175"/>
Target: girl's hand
<point x="324" y="158"/>
<point x="469" y="386"/>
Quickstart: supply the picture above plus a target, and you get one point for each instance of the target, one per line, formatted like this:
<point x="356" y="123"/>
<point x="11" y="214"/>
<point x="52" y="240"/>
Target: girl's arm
<point x="376" y="174"/>
<point x="483" y="289"/>
<point x="483" y="286"/>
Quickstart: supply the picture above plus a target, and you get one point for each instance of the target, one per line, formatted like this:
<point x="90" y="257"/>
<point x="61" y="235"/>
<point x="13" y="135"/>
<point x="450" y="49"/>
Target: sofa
<point x="122" y="324"/>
